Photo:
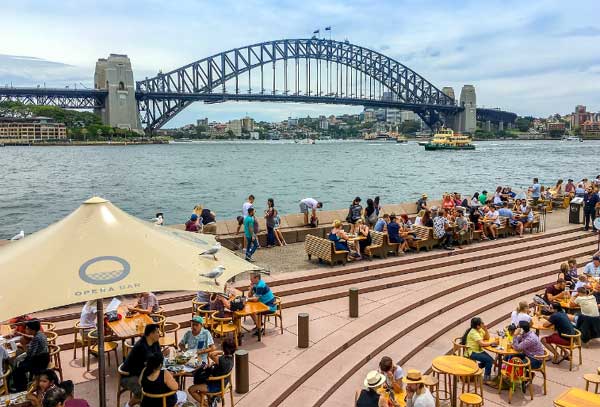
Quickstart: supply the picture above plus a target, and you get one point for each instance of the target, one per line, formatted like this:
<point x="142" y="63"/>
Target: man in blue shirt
<point x="260" y="292"/>
<point x="590" y="200"/>
<point x="381" y="225"/>
<point x="593" y="268"/>
<point x="507" y="213"/>
<point x="251" y="239"/>
<point x="535" y="190"/>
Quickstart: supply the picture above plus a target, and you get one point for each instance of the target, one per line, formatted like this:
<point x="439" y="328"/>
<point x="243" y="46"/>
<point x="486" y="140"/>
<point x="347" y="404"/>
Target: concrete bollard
<point x="303" y="330"/>
<point x="241" y="372"/>
<point x="353" y="300"/>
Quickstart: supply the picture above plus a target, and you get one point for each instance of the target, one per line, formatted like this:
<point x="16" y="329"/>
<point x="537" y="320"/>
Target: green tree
<point x="524" y="123"/>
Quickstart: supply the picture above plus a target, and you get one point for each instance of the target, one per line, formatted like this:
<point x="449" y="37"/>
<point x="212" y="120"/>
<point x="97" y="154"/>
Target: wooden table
<point x="455" y="366"/>
<point x="575" y="397"/>
<point x="251" y="308"/>
<point x="126" y="328"/>
<point x="503" y="349"/>
<point x="568" y="307"/>
<point x="537" y="323"/>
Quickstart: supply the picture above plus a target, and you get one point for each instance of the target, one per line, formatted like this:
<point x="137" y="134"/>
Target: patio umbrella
<point x="99" y="251"/>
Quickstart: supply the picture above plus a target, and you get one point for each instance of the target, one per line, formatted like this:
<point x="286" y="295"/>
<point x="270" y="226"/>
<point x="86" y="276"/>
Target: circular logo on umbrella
<point x="104" y="270"/>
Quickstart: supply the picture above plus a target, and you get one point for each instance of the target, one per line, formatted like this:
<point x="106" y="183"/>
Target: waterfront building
<point x="202" y="122"/>
<point x="247" y="124"/>
<point x="590" y="129"/>
<point x="555" y="128"/>
<point x="236" y="127"/>
<point x="292" y="122"/>
<point x="580" y="116"/>
<point x="323" y="123"/>
<point x="30" y="130"/>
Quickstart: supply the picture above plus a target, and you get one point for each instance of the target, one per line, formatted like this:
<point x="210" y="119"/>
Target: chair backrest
<point x="207" y="315"/>
<point x="51" y="336"/>
<point x="221" y="322"/>
<point x="47" y="326"/>
<point x="127" y="346"/>
<point x="196" y="305"/>
<point x="376" y="238"/>
<point x="4" y="380"/>
<point x="574" y="340"/>
<point x="458" y="348"/>
<point x="160" y="320"/>
<point x="225" y="382"/>
<point x="516" y="368"/>
<point x="159" y="396"/>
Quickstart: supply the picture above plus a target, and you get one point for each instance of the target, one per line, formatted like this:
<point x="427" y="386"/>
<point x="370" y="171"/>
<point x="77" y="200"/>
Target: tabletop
<point x="128" y="327"/>
<point x="252" y="307"/>
<point x="504" y="348"/>
<point x="455" y="365"/>
<point x="567" y="305"/>
<point x="537" y="324"/>
<point x="575" y="397"/>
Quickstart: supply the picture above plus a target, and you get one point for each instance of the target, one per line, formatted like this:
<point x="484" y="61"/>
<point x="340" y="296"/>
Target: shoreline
<point x="85" y="143"/>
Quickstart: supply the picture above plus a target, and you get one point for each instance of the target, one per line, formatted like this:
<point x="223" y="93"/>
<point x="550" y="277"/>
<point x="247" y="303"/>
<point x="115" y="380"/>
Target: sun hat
<point x="374" y="379"/>
<point x="424" y="196"/>
<point x="414" y="376"/>
<point x="198" y="320"/>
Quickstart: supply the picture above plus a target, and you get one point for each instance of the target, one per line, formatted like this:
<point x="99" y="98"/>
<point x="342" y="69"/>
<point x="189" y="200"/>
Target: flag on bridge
<point x="328" y="28"/>
<point x="315" y="31"/>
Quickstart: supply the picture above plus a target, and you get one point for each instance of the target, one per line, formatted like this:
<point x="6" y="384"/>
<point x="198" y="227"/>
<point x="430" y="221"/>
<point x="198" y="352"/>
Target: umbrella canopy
<point x="99" y="251"/>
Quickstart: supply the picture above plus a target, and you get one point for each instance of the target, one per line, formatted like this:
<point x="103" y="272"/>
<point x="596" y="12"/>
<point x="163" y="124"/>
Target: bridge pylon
<point x="120" y="109"/>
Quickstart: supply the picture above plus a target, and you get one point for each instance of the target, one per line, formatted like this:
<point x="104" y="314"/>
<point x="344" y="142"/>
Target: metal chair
<point x="542" y="368"/>
<point x="55" y="363"/>
<point x="225" y="387"/>
<point x="574" y="343"/>
<point x="109" y="347"/>
<point x="458" y="349"/>
<point x="276" y="315"/>
<point x="127" y="346"/>
<point x="166" y="327"/>
<point x="470" y="400"/>
<point x="207" y="315"/>
<point x="159" y="396"/>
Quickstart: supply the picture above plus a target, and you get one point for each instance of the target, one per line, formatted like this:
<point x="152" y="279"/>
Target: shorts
<point x="303" y="207"/>
<point x="132" y="383"/>
<point x="214" y="386"/>
<point x="556" y="339"/>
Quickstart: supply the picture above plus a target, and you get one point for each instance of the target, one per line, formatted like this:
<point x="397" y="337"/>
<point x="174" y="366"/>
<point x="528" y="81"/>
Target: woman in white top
<point x="498" y="196"/>
<point x="520" y="314"/>
<point x="475" y="200"/>
<point x="418" y="221"/>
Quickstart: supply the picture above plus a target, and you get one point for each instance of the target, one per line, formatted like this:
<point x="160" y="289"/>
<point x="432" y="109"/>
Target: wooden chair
<point x="514" y="378"/>
<point x="48" y="326"/>
<point x="324" y="250"/>
<point x="207" y="315"/>
<point x="51" y="337"/>
<point x="389" y="247"/>
<point x="109" y="347"/>
<point x="196" y="305"/>
<point x="167" y="327"/>
<point x="458" y="348"/>
<point x="542" y="368"/>
<point x="574" y="343"/>
<point x="55" y="363"/>
<point x="591" y="378"/>
<point x="127" y="346"/>
<point x="470" y="400"/>
<point x="276" y="315"/>
<point x="159" y="396"/>
<point x="4" y="380"/>
<point x="376" y="247"/>
<point x="120" y="389"/>
<point x="424" y="238"/>
<point x="225" y="326"/>
<point x="80" y="340"/>
<point x="225" y="387"/>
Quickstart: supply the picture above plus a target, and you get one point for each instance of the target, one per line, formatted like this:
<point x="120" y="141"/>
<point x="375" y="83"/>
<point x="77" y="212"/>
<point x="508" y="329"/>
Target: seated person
<point x="203" y="296"/>
<point x="475" y="218"/>
<point x="338" y="236"/>
<point x="4" y="357"/>
<point x="447" y="202"/>
<point x="572" y="263"/>
<point x="370" y="396"/>
<point x="18" y="326"/>
<point x="36" y="357"/>
<point x="71" y="401"/>
<point x="528" y="343"/>
<point x="156" y="380"/>
<point x="417" y="394"/>
<point x="44" y="382"/>
<point x="556" y="292"/>
<point x="405" y="221"/>
<point x="218" y="302"/>
<point x="136" y="361"/>
<point x="259" y="291"/>
<point x="586" y="302"/>
<point x="442" y="230"/>
<point x="491" y="221"/>
<point x="582" y="281"/>
<point x="362" y="230"/>
<point x="198" y="338"/>
<point x="381" y="224"/>
<point x="147" y="303"/>
<point x="393" y="374"/>
<point x="419" y="218"/>
<point x="476" y="338"/>
<point x="512" y="221"/>
<point x="393" y="229"/>
<point x="193" y="225"/>
<point x="458" y="201"/>
<point x="221" y="363"/>
<point x="461" y="223"/>
<point x="593" y="267"/>
<point x="427" y="219"/>
<point x="57" y="397"/>
<point x="520" y="314"/>
<point x="562" y="325"/>
<point x="565" y="275"/>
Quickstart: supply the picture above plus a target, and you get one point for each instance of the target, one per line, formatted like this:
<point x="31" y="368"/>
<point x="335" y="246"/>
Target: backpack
<point x="546" y="308"/>
<point x="515" y="374"/>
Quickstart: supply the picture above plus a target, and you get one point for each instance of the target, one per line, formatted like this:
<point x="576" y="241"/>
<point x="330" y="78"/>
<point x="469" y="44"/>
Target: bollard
<point x="241" y="371"/>
<point x="303" y="330"/>
<point x="353" y="298"/>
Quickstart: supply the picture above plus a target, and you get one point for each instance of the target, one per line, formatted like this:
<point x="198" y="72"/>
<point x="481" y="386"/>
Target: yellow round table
<point x="455" y="366"/>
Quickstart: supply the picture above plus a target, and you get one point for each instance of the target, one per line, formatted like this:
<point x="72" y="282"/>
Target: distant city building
<point x="292" y="122"/>
<point x="369" y="116"/>
<point x="590" y="129"/>
<point x="29" y="130"/>
<point x="323" y="123"/>
<point x="247" y="124"/>
<point x="393" y="116"/>
<point x="580" y="116"/>
<point x="202" y="122"/>
<point x="236" y="127"/>
<point x="555" y="127"/>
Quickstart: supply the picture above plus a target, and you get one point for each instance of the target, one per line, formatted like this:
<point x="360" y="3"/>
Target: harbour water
<point x="41" y="185"/>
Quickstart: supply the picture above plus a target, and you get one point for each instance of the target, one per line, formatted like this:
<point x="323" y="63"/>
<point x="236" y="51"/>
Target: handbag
<point x="237" y="304"/>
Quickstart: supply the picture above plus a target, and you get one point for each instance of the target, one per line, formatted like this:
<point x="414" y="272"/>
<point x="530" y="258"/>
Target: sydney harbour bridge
<point x="291" y="70"/>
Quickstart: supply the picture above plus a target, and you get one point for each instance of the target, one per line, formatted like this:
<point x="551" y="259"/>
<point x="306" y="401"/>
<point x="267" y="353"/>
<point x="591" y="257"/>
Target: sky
<point x="532" y="58"/>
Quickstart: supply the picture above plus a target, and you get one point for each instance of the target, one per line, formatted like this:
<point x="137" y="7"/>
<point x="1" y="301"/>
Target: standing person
<point x="536" y="191"/>
<point x="377" y="205"/>
<point x="476" y="338"/>
<point x="193" y="225"/>
<point x="209" y="221"/>
<point x="270" y="214"/>
<point x="249" y="232"/>
<point x="354" y="213"/>
<point x="370" y="213"/>
<point x="590" y="201"/>
<point x="310" y="204"/>
<point x="422" y="203"/>
<point x="246" y="205"/>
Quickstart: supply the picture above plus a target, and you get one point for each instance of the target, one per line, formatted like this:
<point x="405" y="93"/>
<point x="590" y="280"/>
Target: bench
<point x="534" y="224"/>
<point x="324" y="250"/>
<point x="503" y="228"/>
<point x="389" y="247"/>
<point x="424" y="238"/>
<point x="376" y="247"/>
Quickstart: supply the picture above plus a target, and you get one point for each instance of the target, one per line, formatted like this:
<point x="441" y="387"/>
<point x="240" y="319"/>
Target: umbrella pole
<point x="101" y="361"/>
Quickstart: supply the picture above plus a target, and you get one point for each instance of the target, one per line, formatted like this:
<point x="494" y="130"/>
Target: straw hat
<point x="424" y="196"/>
<point x="414" y="376"/>
<point x="374" y="379"/>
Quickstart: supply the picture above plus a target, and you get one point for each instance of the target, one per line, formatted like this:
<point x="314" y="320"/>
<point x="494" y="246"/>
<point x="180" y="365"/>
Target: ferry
<point x="378" y="137"/>
<point x="446" y="139"/>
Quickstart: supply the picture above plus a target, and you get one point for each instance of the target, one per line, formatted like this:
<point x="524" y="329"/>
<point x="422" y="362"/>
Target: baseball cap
<point x="198" y="320"/>
<point x="596" y="258"/>
<point x="194" y="217"/>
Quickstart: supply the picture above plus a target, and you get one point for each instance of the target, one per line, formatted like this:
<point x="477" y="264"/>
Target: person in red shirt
<point x="71" y="401"/>
<point x="193" y="225"/>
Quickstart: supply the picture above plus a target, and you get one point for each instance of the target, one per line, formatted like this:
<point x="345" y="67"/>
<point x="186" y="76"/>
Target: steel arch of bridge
<point x="162" y="97"/>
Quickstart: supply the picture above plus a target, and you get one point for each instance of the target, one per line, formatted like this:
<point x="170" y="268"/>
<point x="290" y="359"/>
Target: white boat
<point x="181" y="140"/>
<point x="572" y="138"/>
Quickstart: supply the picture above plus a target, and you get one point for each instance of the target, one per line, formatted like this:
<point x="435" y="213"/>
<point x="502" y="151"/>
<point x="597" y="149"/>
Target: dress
<point x="339" y="244"/>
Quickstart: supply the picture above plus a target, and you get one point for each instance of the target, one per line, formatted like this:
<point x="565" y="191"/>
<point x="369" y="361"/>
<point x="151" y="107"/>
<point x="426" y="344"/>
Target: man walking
<point x="250" y="234"/>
